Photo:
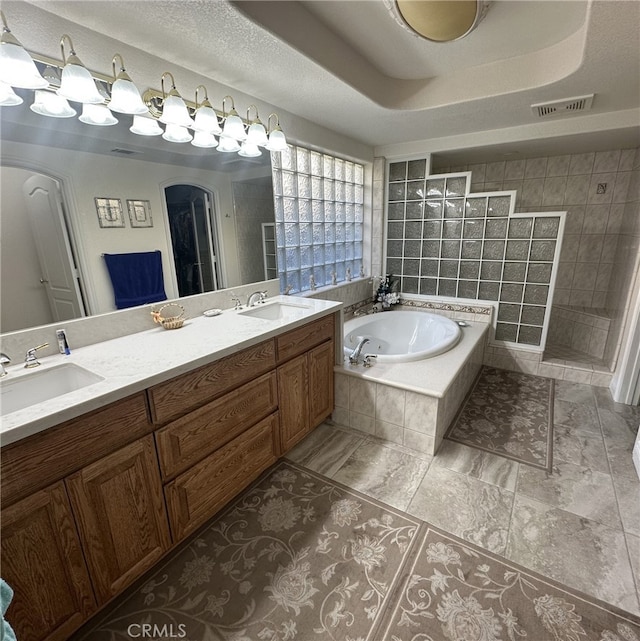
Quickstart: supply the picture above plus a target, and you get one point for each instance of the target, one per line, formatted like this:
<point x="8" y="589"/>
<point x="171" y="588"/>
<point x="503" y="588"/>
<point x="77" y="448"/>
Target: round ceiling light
<point x="439" y="20"/>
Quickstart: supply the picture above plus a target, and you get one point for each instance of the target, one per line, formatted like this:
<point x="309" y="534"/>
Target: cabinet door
<point x="42" y="561"/>
<point x="197" y="494"/>
<point x="121" y="516"/>
<point x="293" y="401"/>
<point x="191" y="438"/>
<point x="321" y="360"/>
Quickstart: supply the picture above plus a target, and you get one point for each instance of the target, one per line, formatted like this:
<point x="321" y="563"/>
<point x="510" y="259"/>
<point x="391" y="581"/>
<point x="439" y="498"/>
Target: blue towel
<point x="136" y="278"/>
<point x="6" y="594"/>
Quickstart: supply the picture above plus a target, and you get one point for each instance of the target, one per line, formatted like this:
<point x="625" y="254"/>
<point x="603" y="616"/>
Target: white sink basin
<point x="277" y="311"/>
<point x="38" y="386"/>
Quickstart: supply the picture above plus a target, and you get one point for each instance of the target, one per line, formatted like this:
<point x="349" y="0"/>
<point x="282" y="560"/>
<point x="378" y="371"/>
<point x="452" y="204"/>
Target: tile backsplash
<point x="444" y="241"/>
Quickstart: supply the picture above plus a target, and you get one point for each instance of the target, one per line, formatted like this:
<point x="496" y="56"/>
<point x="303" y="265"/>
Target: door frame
<point x="625" y="385"/>
<point x="57" y="225"/>
<point x="216" y="230"/>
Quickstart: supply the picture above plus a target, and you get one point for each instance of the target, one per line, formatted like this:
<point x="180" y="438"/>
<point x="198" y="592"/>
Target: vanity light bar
<point x="154" y="100"/>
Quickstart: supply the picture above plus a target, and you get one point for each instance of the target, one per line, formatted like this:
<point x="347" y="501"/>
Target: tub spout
<point x="355" y="355"/>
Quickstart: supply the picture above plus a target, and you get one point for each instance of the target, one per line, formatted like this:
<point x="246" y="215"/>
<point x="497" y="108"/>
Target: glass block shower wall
<point x="443" y="241"/>
<point x="319" y="213"/>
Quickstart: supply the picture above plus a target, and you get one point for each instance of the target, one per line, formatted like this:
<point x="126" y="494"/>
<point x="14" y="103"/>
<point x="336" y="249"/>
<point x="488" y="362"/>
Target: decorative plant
<point x="386" y="296"/>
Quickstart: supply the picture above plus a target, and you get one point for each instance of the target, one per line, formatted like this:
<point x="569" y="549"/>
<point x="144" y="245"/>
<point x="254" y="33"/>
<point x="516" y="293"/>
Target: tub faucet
<point x="355" y="355"/>
<point x="4" y="360"/>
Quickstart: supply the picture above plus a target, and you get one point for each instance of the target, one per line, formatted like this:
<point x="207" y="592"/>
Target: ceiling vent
<point x="562" y="107"/>
<point x="124" y="152"/>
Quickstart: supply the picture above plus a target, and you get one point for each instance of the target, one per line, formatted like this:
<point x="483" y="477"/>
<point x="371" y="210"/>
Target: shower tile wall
<point x="571" y="183"/>
<point x="443" y="242"/>
<point x="253" y="205"/>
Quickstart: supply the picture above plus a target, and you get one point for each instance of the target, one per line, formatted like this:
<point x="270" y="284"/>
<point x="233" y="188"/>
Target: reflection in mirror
<point x="78" y="163"/>
<point x="193" y="239"/>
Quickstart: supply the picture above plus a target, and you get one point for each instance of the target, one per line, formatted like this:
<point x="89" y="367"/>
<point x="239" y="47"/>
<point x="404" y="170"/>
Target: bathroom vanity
<point x="89" y="504"/>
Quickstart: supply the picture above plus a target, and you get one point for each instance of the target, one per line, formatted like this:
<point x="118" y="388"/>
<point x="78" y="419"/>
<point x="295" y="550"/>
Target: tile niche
<point x="443" y="241"/>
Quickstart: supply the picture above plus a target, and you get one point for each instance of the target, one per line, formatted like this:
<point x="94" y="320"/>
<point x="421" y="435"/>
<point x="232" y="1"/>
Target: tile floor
<point x="579" y="524"/>
<point x="556" y="354"/>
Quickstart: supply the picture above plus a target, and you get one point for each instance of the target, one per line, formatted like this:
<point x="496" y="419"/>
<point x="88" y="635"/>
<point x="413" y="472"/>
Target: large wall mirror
<point x="221" y="203"/>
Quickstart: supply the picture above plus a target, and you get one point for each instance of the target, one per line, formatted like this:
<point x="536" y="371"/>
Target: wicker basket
<point x="175" y="321"/>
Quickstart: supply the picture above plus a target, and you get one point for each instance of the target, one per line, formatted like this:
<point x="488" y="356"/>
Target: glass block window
<point x="319" y="212"/>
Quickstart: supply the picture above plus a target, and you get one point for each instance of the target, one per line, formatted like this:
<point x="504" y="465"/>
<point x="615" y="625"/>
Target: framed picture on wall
<point x="109" y="212"/>
<point x="140" y="213"/>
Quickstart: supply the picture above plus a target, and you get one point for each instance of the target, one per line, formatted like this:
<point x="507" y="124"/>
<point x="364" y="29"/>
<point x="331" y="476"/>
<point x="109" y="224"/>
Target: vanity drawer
<point x="40" y="460"/>
<point x="190" y="438"/>
<point x="304" y="338"/>
<point x="179" y="395"/>
<point x="196" y="495"/>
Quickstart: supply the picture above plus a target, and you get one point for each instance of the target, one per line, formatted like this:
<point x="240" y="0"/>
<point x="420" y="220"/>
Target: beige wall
<point x="23" y="300"/>
<point x="594" y="221"/>
<point x="86" y="176"/>
<point x="624" y="275"/>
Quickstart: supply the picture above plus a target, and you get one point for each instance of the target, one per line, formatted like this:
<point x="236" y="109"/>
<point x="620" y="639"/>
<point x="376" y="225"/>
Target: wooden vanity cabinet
<point x="222" y="434"/>
<point x="193" y="389"/>
<point x="121" y="516"/>
<point x="305" y="381"/>
<point x="193" y="436"/>
<point x="99" y="524"/>
<point x="42" y="561"/>
<point x="40" y="460"/>
<point x="321" y="360"/>
<point x="197" y="494"/>
<point x="91" y="504"/>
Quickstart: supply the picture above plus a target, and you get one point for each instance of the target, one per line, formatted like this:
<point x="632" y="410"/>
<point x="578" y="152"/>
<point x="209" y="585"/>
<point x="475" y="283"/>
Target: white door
<point x="59" y="276"/>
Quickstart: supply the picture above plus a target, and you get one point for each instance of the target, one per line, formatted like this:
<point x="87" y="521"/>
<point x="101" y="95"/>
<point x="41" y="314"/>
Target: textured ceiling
<point x="347" y="65"/>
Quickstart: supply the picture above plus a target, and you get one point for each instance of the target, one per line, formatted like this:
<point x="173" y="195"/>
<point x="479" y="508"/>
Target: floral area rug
<point x="300" y="557"/>
<point x="509" y="414"/>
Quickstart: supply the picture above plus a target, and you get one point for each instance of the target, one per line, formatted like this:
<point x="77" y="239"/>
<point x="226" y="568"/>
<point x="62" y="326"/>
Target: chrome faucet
<point x="30" y="359"/>
<point x="355" y="354"/>
<point x="4" y="360"/>
<point x="261" y="298"/>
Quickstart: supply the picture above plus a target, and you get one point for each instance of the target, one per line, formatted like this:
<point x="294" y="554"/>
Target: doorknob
<point x="43" y="281"/>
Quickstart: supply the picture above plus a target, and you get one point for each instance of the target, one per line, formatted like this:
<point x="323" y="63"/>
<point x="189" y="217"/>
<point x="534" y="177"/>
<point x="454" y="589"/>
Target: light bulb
<point x="228" y="144"/>
<point x="98" y="115"/>
<point x="17" y="68"/>
<point x="8" y="97"/>
<point x="204" y="139"/>
<point x="277" y="141"/>
<point x="125" y="97"/>
<point x="206" y="120"/>
<point x="174" y="111"/>
<point x="50" y="104"/>
<point x="78" y="84"/>
<point x="249" y="150"/>
<point x="234" y="127"/>
<point x="145" y="126"/>
<point x="177" y="133"/>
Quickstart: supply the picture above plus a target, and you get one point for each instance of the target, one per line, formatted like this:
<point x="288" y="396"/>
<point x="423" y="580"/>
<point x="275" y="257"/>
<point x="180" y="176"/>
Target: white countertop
<point x="135" y="362"/>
